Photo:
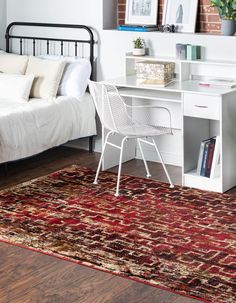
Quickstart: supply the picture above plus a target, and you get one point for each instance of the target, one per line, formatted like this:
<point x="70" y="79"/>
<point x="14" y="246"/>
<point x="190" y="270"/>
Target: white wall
<point x="61" y="11"/>
<point x="3" y="14"/>
<point x="112" y="45"/>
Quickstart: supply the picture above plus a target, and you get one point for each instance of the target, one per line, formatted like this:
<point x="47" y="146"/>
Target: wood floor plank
<point x="31" y="277"/>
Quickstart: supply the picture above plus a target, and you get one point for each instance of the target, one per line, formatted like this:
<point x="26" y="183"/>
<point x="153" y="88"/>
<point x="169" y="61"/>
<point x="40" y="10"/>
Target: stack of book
<point x="138" y="28"/>
<point x="208" y="158"/>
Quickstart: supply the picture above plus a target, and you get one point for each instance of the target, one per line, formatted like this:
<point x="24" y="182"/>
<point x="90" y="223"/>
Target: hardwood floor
<point x="31" y="277"/>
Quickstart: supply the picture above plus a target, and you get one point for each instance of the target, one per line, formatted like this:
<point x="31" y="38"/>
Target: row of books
<point x="208" y="160"/>
<point x="138" y="28"/>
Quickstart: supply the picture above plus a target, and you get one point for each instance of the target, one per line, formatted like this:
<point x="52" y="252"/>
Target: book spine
<point x="134" y="29"/>
<point x="215" y="159"/>
<point x="204" y="160"/>
<point x="210" y="158"/>
<point x="200" y="157"/>
<point x="137" y="29"/>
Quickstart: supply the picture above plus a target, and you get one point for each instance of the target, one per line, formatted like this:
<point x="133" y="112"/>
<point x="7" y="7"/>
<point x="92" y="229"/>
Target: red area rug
<point x="178" y="239"/>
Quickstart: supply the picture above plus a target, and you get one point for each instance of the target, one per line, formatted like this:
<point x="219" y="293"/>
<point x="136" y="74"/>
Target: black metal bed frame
<point x="76" y="42"/>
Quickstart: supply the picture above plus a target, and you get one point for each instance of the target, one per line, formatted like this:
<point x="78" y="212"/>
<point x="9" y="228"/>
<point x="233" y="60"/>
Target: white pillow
<point x="12" y="63"/>
<point x="15" y="86"/>
<point x="75" y="77"/>
<point x="47" y="75"/>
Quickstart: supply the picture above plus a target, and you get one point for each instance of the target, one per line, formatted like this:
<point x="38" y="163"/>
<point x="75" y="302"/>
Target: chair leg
<point x="120" y="165"/>
<point x="144" y="160"/>
<point x="163" y="164"/>
<point x="101" y="158"/>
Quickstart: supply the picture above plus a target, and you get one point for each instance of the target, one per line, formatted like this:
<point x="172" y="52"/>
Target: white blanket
<point x="28" y="128"/>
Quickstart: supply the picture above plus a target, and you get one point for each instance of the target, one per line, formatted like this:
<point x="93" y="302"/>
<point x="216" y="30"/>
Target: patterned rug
<point x="181" y="239"/>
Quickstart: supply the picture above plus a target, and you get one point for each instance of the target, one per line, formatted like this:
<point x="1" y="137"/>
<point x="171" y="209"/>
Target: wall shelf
<point x="114" y="29"/>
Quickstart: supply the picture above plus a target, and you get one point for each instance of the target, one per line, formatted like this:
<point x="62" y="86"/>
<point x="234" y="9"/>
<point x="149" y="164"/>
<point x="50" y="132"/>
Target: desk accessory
<point x="153" y="72"/>
<point x="139" y="47"/>
<point x="138" y="28"/>
<point x="181" y="50"/>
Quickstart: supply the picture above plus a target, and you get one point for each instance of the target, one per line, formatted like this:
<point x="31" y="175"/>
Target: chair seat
<point x="140" y="130"/>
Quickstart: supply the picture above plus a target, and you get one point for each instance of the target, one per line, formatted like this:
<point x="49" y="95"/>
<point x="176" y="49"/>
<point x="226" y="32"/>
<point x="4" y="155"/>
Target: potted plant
<point x="139" y="47"/>
<point x="227" y="12"/>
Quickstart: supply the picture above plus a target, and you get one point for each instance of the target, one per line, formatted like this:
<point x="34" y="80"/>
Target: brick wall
<point x="207" y="19"/>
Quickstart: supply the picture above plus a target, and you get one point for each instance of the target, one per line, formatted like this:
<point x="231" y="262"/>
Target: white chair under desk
<point x="119" y="118"/>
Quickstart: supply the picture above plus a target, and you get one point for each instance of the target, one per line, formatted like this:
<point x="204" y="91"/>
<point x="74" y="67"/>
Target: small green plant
<point x="138" y="43"/>
<point x="226" y="8"/>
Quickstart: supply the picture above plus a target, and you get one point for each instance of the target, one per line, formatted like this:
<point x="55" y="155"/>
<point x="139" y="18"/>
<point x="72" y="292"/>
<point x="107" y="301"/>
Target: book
<point x="227" y="83"/>
<point x="136" y="28"/>
<point x="204" y="158"/>
<point x="210" y="157"/>
<point x="200" y="157"/>
<point x="216" y="156"/>
<point x="139" y="25"/>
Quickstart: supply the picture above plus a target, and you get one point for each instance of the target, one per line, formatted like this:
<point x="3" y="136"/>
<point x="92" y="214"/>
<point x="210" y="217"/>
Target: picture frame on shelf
<point x="181" y="13"/>
<point x="141" y="12"/>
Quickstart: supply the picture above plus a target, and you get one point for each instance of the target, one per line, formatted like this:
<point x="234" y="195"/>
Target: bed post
<point x="7" y="36"/>
<point x="91" y="144"/>
<point x="5" y="169"/>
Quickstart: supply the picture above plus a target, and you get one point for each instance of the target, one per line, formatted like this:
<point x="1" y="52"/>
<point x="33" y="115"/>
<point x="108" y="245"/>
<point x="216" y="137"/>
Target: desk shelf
<point x="186" y="69"/>
<point x="173" y="59"/>
<point x="151" y="94"/>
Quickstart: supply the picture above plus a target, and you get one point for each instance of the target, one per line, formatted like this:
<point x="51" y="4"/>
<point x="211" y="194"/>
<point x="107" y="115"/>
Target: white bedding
<point x="28" y="128"/>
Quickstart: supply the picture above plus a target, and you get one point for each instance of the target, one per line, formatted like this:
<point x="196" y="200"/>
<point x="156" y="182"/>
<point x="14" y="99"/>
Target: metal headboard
<point x="76" y="42"/>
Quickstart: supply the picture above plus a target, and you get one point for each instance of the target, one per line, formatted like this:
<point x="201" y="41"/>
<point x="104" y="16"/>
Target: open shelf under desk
<point x="150" y="94"/>
<point x="188" y="86"/>
<point x="192" y="179"/>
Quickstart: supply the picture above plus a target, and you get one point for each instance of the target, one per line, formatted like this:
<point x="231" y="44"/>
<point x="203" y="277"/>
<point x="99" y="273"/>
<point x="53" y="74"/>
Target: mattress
<point x="28" y="128"/>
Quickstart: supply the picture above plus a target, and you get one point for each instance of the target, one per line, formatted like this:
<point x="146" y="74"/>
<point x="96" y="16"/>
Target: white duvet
<point x="28" y="128"/>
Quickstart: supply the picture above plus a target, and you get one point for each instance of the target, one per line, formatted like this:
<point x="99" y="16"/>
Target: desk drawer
<point x="202" y="106"/>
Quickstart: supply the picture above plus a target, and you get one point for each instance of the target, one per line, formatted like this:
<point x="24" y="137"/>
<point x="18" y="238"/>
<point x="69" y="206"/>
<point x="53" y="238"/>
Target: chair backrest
<point x="110" y="106"/>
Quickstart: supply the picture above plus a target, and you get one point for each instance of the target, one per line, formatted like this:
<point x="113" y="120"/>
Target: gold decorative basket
<point x="153" y="72"/>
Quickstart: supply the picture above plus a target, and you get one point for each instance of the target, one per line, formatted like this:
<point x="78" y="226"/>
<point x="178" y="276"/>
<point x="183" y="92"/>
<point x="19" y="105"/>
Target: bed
<point x="28" y="128"/>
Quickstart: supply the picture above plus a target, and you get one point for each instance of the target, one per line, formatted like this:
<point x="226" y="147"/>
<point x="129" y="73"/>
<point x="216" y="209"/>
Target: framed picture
<point x="181" y="13"/>
<point x="141" y="12"/>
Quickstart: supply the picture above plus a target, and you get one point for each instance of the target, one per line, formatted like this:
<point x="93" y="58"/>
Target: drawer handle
<point x="201" y="106"/>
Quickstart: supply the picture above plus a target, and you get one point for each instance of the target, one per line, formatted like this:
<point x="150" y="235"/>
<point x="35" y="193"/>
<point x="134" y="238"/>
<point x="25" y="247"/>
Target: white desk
<point x="198" y="112"/>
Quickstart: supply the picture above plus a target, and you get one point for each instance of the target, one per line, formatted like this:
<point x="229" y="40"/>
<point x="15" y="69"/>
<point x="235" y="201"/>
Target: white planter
<point x="138" y="51"/>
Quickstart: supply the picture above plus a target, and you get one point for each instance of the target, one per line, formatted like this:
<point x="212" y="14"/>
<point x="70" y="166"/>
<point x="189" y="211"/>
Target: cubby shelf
<point x="173" y="59"/>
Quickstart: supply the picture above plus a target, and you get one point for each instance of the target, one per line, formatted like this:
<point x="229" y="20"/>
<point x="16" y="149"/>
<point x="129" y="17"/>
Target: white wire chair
<point x="119" y="118"/>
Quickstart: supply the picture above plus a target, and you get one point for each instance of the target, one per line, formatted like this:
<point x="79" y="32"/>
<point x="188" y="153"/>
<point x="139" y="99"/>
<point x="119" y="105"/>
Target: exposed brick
<point x="213" y="18"/>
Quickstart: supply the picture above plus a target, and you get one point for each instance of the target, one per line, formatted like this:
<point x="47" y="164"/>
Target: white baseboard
<point x="150" y="154"/>
<point x="168" y="157"/>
